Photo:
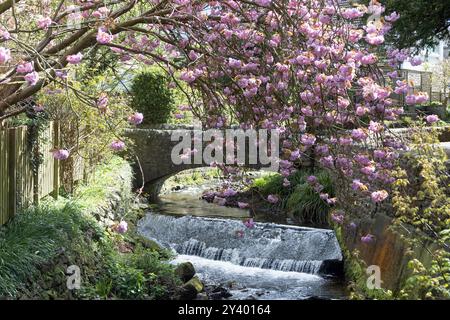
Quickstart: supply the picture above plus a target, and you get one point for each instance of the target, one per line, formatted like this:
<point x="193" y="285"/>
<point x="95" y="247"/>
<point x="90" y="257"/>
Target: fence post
<point x="55" y="161"/>
<point x="36" y="171"/>
<point x="12" y="177"/>
<point x="4" y="176"/>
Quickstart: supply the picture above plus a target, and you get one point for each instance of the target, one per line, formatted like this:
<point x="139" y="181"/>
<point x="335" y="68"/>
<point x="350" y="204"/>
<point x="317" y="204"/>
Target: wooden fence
<point x="20" y="185"/>
<point x="422" y="81"/>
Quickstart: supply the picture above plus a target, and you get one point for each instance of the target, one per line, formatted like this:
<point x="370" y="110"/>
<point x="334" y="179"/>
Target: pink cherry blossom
<point x="352" y="13"/>
<point x="264" y="3"/>
<point x="415" y="61"/>
<point x="5" y="55"/>
<point x="357" y="185"/>
<point x="122" y="227"/>
<point x="337" y="217"/>
<point x="60" y="154"/>
<point x="102" y="102"/>
<point x="32" y="78"/>
<point x="4" y="34"/>
<point x="75" y="58"/>
<point x="249" y="223"/>
<point x="117" y="145"/>
<point x="104" y="37"/>
<point x="25" y="67"/>
<point x="136" y="118"/>
<point x="394" y="16"/>
<point x="359" y="134"/>
<point x="308" y="139"/>
<point x="369" y="59"/>
<point x="375" y="126"/>
<point x="379" y="196"/>
<point x="243" y="205"/>
<point x="374" y="39"/>
<point x="369" y="238"/>
<point x="272" y="198"/>
<point x="44" y="23"/>
<point x="229" y="192"/>
<point x="432" y="118"/>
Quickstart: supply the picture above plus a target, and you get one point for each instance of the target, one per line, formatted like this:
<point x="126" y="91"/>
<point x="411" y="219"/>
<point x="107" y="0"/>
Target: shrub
<point x="152" y="96"/>
<point x="33" y="238"/>
<point x="300" y="199"/>
<point x="83" y="128"/>
<point x="38" y="245"/>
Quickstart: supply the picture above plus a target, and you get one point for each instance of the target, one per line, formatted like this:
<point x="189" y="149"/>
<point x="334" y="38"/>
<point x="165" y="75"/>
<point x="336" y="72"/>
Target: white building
<point x="430" y="57"/>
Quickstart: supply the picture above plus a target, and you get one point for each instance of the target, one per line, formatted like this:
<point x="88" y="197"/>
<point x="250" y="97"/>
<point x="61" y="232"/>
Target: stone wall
<point x="116" y="188"/>
<point x="388" y="250"/>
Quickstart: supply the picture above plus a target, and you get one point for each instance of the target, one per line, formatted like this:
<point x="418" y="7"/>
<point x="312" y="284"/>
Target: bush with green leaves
<point x="151" y="95"/>
<point x="38" y="245"/>
<point x="299" y="200"/>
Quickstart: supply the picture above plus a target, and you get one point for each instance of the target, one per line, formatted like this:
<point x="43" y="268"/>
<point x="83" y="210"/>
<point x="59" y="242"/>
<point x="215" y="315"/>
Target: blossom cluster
<point x="309" y="70"/>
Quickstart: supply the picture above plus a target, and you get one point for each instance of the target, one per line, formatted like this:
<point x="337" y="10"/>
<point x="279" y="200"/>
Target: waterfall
<point x="197" y="248"/>
<point x="266" y="246"/>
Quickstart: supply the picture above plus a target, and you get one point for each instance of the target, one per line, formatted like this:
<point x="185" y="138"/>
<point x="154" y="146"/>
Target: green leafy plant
<point x="299" y="200"/>
<point x="152" y="96"/>
<point x="38" y="245"/>
<point x="421" y="198"/>
<point x="429" y="283"/>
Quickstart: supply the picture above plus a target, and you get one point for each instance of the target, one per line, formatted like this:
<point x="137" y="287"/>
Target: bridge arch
<point x="153" y="147"/>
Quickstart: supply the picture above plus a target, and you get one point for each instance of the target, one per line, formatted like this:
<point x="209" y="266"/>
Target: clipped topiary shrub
<point x="151" y="95"/>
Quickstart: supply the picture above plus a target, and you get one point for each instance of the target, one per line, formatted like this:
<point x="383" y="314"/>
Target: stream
<point x="268" y="261"/>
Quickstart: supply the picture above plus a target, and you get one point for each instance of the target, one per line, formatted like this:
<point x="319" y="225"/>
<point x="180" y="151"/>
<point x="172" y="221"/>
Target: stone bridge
<point x="153" y="146"/>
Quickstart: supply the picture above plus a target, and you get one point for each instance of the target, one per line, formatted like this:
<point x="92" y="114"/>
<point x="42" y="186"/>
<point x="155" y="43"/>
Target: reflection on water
<point x="188" y="202"/>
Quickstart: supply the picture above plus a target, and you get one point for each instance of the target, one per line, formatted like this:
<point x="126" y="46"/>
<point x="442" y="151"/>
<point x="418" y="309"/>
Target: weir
<point x="266" y="246"/>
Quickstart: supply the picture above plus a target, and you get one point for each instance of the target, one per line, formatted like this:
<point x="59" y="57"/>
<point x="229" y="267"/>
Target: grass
<point x="38" y="245"/>
<point x="196" y="177"/>
<point x="34" y="237"/>
<point x="299" y="200"/>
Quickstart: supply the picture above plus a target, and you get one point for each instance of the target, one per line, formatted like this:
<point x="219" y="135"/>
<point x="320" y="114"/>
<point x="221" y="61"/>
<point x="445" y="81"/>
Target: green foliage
<point x="101" y="61"/>
<point x="421" y="198"/>
<point x="84" y="129"/>
<point x="152" y="96"/>
<point x="429" y="283"/>
<point x="270" y="184"/>
<point x="33" y="238"/>
<point x="422" y="22"/>
<point x="38" y="245"/>
<point x="299" y="200"/>
<point x="137" y="275"/>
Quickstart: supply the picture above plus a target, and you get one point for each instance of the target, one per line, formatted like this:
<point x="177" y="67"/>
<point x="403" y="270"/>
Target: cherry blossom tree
<point x="307" y="68"/>
<point x="41" y="40"/>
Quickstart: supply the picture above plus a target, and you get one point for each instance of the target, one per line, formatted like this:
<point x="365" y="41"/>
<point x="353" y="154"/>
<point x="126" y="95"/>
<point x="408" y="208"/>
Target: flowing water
<point x="268" y="261"/>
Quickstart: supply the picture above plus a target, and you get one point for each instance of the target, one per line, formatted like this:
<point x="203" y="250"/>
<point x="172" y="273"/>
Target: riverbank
<point x="82" y="232"/>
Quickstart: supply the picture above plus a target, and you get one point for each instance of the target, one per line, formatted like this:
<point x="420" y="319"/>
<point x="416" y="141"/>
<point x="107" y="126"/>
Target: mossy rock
<point x="150" y="244"/>
<point x="185" y="271"/>
<point x="195" y="283"/>
<point x="190" y="289"/>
